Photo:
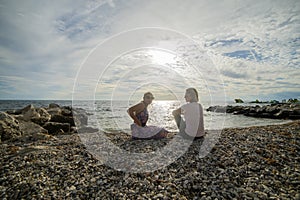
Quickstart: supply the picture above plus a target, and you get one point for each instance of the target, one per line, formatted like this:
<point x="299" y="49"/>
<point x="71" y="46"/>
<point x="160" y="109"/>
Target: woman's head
<point x="191" y="95"/>
<point x="148" y="97"/>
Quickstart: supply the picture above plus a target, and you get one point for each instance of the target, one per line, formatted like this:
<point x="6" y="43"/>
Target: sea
<point x="112" y="116"/>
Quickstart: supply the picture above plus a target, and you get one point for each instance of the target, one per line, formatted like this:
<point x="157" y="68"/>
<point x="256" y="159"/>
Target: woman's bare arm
<point x="132" y="111"/>
<point x="176" y="112"/>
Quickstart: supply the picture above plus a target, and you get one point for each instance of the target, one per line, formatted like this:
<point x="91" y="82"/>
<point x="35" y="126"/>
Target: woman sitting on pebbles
<point x="192" y="127"/>
<point x="139" y="114"/>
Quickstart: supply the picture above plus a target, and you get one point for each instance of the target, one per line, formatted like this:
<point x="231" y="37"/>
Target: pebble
<point x="246" y="163"/>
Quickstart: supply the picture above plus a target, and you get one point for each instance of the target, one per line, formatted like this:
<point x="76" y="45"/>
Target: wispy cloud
<point x="253" y="44"/>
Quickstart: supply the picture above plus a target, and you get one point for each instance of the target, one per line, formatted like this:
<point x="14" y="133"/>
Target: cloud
<point x="17" y="87"/>
<point x="233" y="74"/>
<point x="251" y="43"/>
<point x="35" y="52"/>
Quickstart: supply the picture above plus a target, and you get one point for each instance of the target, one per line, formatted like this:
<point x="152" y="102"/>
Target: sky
<point x="119" y="49"/>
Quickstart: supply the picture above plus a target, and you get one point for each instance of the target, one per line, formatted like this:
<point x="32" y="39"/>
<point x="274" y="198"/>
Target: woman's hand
<point x="176" y="112"/>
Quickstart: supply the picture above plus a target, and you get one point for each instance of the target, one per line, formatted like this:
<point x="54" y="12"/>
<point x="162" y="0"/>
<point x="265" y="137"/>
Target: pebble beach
<point x="260" y="162"/>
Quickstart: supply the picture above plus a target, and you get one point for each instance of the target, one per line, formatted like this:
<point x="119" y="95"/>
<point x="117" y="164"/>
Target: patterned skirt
<point x="148" y="132"/>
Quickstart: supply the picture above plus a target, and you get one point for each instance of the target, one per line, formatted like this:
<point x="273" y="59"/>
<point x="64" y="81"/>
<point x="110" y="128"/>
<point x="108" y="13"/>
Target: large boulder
<point x="63" y="119"/>
<point x="54" y="111"/>
<point x="14" y="112"/>
<point x="241" y="110"/>
<point x="272" y="109"/>
<point x="296" y="111"/>
<point x="9" y="127"/>
<point x="42" y="118"/>
<point x="222" y="109"/>
<point x="33" y="132"/>
<point x="80" y="117"/>
<point x="30" y="128"/>
<point x="53" y="105"/>
<point x="283" y="114"/>
<point x="65" y="114"/>
<point x="29" y="112"/>
<point x="66" y="111"/>
<point x="238" y="101"/>
<point x="26" y="109"/>
<point x="54" y="128"/>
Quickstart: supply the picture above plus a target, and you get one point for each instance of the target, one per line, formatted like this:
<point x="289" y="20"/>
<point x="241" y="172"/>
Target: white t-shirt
<point x="193" y="116"/>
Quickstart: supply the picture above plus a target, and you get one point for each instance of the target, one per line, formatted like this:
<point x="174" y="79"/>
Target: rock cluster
<point x="30" y="121"/>
<point x="274" y="111"/>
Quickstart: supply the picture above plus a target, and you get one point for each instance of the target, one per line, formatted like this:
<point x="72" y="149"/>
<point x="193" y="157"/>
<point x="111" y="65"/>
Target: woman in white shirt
<point x="192" y="125"/>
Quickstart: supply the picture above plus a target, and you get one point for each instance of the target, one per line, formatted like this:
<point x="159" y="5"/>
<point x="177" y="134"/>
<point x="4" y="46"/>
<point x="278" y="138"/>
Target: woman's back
<point x="193" y="115"/>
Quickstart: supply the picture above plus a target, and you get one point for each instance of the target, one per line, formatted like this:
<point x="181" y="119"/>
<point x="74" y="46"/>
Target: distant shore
<point x="246" y="163"/>
<point x="273" y="111"/>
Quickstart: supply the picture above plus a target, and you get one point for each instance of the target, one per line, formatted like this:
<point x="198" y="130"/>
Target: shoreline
<point x="233" y="119"/>
<point x="254" y="162"/>
<point x="271" y="111"/>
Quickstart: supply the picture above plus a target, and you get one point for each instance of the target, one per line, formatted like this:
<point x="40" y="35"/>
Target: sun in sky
<point x="44" y="44"/>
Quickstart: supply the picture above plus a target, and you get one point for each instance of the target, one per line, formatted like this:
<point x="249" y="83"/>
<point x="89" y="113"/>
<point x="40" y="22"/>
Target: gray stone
<point x="30" y="128"/>
<point x="80" y="116"/>
<point x="86" y="129"/>
<point x="29" y="112"/>
<point x="9" y="127"/>
<point x="53" y="105"/>
<point x="43" y="117"/>
<point x="278" y="111"/>
<point x="54" y="111"/>
<point x="63" y="119"/>
<point x="26" y="109"/>
<point x="66" y="111"/>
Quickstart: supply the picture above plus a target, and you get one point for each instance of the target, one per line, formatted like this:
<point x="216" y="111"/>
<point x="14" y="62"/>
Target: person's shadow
<point x="125" y="142"/>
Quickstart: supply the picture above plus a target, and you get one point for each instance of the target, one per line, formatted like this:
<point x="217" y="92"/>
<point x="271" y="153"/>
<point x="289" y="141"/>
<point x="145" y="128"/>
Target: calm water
<point x="112" y="116"/>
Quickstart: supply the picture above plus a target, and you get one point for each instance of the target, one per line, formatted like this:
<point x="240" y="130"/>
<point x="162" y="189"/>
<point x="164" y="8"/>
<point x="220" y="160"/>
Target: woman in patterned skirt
<point x="140" y="115"/>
